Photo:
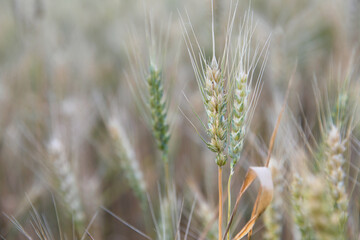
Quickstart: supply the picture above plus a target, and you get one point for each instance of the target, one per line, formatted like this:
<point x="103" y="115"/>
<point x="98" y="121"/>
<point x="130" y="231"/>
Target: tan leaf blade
<point x="264" y="197"/>
<point x="247" y="228"/>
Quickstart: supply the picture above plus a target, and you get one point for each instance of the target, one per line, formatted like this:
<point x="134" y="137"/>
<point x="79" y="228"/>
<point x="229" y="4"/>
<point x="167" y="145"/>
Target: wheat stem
<point x="229" y="200"/>
<point x="220" y="201"/>
<point x="167" y="176"/>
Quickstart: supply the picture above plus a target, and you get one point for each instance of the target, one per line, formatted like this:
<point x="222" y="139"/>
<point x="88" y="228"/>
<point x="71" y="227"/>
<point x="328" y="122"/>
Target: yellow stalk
<point x="220" y="202"/>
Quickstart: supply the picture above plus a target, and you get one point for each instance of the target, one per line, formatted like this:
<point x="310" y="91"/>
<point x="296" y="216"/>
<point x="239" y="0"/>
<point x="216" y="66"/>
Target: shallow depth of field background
<point x="66" y="64"/>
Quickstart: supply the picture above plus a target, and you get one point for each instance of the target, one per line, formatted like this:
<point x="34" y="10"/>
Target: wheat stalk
<point x="211" y="83"/>
<point x="211" y="77"/>
<point x="242" y="103"/>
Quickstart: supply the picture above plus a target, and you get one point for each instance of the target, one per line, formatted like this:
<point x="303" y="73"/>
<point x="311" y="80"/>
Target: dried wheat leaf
<point x="264" y="197"/>
<point x="247" y="228"/>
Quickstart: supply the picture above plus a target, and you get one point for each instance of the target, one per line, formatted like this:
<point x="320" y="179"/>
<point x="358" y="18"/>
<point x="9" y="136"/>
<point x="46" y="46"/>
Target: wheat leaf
<point x="264" y="197"/>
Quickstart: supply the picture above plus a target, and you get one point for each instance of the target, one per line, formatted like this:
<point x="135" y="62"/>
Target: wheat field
<point x="180" y="119"/>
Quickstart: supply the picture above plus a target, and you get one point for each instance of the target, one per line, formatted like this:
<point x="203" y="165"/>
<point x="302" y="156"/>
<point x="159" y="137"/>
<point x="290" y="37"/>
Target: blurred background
<point x="67" y="67"/>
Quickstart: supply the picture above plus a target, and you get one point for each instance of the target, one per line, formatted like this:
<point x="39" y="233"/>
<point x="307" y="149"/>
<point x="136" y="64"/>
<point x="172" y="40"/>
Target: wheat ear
<point x="320" y="210"/>
<point x="128" y="161"/>
<point x="239" y="110"/>
<point x="158" y="109"/>
<point x="215" y="105"/>
<point x="298" y="202"/>
<point x="67" y="181"/>
<point x="335" y="168"/>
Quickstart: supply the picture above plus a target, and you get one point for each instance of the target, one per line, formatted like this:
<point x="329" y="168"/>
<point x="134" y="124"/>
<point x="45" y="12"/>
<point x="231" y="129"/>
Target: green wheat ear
<point x="158" y="109"/>
<point x="238" y="119"/>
